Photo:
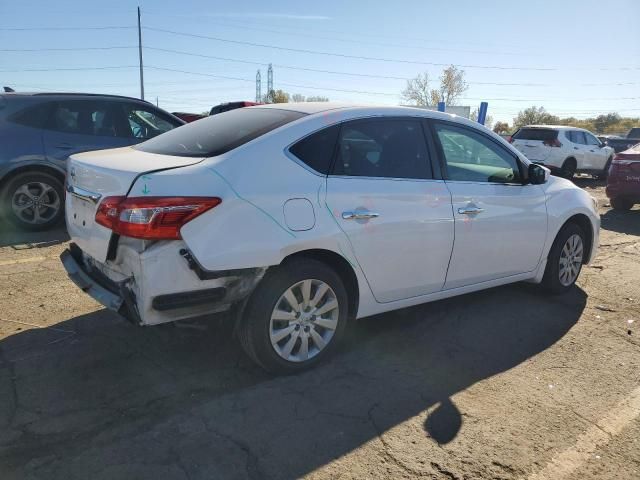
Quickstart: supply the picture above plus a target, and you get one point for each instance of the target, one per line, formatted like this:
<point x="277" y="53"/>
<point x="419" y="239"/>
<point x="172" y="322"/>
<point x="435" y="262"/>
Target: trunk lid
<point x="535" y="143"/>
<point x="93" y="176"/>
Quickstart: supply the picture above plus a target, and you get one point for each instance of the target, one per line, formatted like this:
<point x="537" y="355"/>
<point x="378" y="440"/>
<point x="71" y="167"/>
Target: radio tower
<point x="258" y="87"/>
<point x="270" y="82"/>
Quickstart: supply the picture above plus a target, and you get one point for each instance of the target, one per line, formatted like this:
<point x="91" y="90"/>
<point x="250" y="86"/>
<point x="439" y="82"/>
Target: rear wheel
<point x="565" y="259"/>
<point x="295" y="317"/>
<point x="32" y="200"/>
<point x="621" y="204"/>
<point x="568" y="169"/>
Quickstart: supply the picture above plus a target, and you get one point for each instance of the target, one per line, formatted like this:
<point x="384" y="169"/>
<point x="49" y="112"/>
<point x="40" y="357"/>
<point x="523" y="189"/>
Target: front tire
<point x="568" y="169"/>
<point x="32" y="201"/>
<point x="295" y="317"/>
<point x="565" y="259"/>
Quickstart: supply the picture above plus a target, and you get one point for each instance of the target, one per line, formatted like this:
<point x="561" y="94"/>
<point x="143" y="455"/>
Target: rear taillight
<point x="151" y="218"/>
<point x="552" y="143"/>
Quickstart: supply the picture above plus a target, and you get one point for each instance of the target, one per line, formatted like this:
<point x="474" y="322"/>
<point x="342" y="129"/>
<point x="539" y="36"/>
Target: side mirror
<point x="538" y="174"/>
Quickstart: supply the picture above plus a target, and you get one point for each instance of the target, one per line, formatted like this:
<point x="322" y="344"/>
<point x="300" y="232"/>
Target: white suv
<point x="303" y="216"/>
<point x="567" y="150"/>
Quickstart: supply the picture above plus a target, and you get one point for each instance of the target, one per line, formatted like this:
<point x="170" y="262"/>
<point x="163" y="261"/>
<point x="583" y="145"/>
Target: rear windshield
<point x="219" y="134"/>
<point x="542" y="134"/>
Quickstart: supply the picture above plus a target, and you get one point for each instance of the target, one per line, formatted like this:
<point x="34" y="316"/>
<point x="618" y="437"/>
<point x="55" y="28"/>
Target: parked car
<point x="38" y="131"/>
<point x="225" y="107"/>
<point x="303" y="216"/>
<point x="565" y="150"/>
<point x="620" y="144"/>
<point x="623" y="184"/>
<point x="188" y="117"/>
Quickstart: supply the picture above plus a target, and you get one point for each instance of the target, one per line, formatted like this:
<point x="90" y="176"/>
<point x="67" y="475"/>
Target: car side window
<point x="578" y="137"/>
<point x="84" y="117"/>
<point x="144" y="123"/>
<point x="389" y="148"/>
<point x="472" y="157"/>
<point x="33" y="116"/>
<point x="591" y="140"/>
<point x="316" y="150"/>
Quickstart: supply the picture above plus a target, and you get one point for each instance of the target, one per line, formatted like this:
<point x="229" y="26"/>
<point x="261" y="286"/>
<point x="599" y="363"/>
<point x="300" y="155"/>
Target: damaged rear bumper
<point x="158" y="285"/>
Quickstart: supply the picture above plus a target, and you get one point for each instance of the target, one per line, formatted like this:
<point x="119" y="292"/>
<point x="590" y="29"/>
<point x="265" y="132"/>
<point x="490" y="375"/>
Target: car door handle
<point x="470" y="210"/>
<point x="64" y="146"/>
<point x="359" y="215"/>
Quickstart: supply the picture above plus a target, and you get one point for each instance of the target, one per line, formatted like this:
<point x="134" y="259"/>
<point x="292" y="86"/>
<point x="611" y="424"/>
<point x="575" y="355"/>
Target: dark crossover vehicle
<point x="619" y="144"/>
<point x="38" y="132"/>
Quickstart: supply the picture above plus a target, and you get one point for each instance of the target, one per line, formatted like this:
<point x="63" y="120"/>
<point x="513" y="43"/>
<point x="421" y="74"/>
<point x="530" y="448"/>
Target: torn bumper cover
<point x="158" y="286"/>
<point x="115" y="296"/>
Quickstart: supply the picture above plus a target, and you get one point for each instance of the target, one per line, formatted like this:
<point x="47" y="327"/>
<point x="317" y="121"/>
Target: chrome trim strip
<point x="84" y="194"/>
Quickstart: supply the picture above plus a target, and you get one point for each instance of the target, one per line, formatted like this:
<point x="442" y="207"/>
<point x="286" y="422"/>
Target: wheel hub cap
<point x="304" y="320"/>
<point x="570" y="260"/>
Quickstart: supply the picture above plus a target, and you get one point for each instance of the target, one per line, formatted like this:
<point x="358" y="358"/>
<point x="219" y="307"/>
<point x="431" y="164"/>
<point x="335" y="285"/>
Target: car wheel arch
<point x="340" y="265"/>
<point x="582" y="221"/>
<point x="32" y="168"/>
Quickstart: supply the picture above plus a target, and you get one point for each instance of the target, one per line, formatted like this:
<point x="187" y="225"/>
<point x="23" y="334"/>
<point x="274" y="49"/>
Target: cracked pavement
<point x="495" y="384"/>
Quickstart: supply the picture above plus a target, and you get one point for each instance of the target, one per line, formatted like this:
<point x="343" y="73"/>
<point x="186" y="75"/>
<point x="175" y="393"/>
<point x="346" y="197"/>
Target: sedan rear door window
<point x="390" y="148"/>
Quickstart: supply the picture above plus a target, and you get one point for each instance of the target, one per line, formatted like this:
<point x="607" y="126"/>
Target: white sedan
<point x="301" y="217"/>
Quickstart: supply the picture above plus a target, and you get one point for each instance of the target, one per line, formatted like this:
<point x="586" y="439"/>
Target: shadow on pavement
<point x="622" y="222"/>
<point x="10" y="236"/>
<point x="95" y="397"/>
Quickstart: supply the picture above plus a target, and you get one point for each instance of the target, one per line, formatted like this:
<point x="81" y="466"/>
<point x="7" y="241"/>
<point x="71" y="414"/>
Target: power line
<point x="29" y="29"/>
<point x="341" y="55"/>
<point x="70" y="49"/>
<point x="67" y="69"/>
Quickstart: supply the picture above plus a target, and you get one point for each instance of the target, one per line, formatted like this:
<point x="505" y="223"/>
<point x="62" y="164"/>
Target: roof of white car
<point x="555" y="127"/>
<point x="319" y="107"/>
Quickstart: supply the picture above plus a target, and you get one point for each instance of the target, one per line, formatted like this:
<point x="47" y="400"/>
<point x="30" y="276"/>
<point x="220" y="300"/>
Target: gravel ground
<point x="507" y="384"/>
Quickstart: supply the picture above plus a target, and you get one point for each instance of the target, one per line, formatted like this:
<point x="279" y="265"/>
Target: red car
<point x="188" y="117"/>
<point x="623" y="182"/>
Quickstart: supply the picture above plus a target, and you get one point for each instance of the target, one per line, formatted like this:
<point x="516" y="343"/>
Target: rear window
<point x="542" y="134"/>
<point x="219" y="134"/>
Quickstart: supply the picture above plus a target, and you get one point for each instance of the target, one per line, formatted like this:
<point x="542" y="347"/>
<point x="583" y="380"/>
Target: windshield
<point x="219" y="134"/>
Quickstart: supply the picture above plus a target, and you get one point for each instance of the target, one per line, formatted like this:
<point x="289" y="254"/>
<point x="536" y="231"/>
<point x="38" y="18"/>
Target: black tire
<point x="33" y="181"/>
<point x="568" y="169"/>
<point x="254" y="329"/>
<point x="605" y="172"/>
<point x="551" y="280"/>
<point x="622" y="204"/>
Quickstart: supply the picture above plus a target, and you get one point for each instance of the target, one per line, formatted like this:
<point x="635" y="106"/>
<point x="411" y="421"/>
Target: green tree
<point x="535" y="116"/>
<point x="452" y="85"/>
<point x="602" y="122"/>
<point x="276" y="96"/>
<point x="501" y="128"/>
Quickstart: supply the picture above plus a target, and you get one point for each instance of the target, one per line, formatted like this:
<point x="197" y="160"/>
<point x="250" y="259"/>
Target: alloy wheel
<point x="304" y="320"/>
<point x="35" y="203"/>
<point x="570" y="260"/>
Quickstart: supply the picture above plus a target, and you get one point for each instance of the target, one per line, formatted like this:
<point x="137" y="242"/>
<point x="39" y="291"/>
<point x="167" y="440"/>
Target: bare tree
<point x="296" y="97"/>
<point x="276" y="96"/>
<point x="452" y="86"/>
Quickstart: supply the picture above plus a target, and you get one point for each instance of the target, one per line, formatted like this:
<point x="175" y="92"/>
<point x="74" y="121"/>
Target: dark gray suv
<point x="38" y="132"/>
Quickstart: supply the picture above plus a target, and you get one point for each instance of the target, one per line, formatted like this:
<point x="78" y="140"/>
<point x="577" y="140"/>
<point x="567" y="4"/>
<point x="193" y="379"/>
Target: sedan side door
<point x="397" y="217"/>
<point x="500" y="223"/>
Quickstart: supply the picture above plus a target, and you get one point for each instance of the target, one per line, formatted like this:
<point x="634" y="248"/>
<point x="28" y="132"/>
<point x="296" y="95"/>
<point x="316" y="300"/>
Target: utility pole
<point x="140" y="57"/>
<point x="270" y="83"/>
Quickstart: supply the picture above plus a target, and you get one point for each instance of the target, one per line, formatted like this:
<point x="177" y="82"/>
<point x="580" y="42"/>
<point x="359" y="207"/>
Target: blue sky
<point x="576" y="57"/>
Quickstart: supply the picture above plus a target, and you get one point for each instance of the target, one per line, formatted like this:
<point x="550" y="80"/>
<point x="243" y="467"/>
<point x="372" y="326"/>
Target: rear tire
<point x="284" y="338"/>
<point x="565" y="259"/>
<point x="32" y="201"/>
<point x="568" y="169"/>
<point x="621" y="204"/>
